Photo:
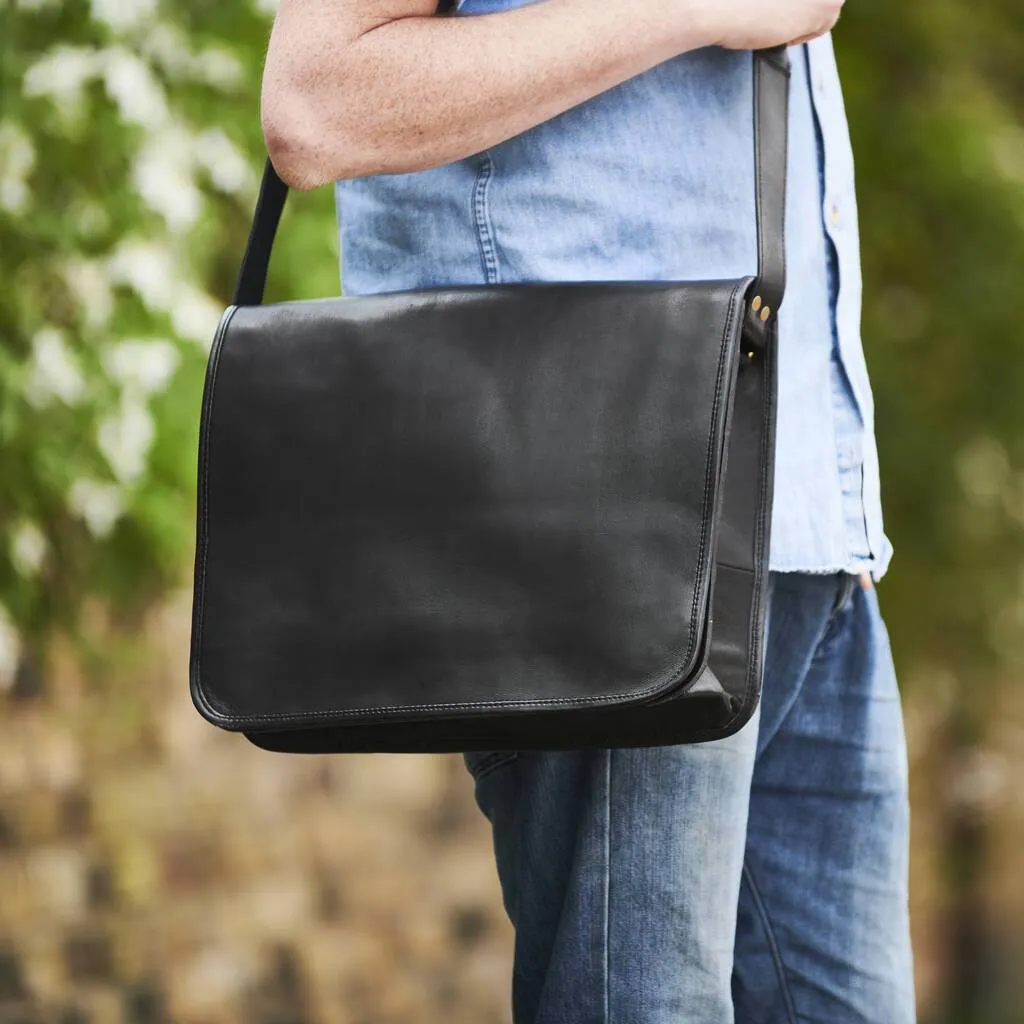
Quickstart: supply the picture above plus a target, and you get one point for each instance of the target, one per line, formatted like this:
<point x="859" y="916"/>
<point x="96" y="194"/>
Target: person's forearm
<point x="417" y="91"/>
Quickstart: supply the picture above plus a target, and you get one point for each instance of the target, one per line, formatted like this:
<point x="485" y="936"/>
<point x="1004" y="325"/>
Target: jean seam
<point x="606" y="1015"/>
<point x="773" y="945"/>
<point x="517" y="901"/>
<point x="482" y="218"/>
<point x="492" y="763"/>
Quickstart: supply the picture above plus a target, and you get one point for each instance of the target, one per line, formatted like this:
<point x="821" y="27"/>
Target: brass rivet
<point x="765" y="313"/>
<point x="756" y="304"/>
<point x="750" y="355"/>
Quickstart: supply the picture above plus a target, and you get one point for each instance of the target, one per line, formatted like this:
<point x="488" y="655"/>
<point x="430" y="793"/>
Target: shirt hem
<point x="876" y="567"/>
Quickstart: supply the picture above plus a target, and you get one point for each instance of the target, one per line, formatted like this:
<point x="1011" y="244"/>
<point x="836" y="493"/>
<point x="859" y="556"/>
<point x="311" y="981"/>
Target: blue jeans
<point x="760" y="879"/>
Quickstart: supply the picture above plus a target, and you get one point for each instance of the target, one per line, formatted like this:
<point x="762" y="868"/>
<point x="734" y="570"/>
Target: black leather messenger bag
<point x="491" y="517"/>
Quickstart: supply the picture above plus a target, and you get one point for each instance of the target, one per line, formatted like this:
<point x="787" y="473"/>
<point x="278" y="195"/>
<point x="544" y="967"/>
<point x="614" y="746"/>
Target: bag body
<point x="529" y="516"/>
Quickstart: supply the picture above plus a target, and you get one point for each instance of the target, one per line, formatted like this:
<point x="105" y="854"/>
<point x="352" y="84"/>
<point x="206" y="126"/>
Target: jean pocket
<point x="482" y="762"/>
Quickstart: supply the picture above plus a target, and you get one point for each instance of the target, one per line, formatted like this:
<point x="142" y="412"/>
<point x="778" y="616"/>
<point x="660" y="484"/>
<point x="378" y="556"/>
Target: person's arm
<point x="357" y="87"/>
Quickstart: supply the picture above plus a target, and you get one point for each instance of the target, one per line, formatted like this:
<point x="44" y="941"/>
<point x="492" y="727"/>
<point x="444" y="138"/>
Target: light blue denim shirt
<point x="654" y="180"/>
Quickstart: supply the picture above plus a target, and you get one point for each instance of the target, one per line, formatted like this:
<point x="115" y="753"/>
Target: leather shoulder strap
<point x="771" y="123"/>
<point x="770" y="110"/>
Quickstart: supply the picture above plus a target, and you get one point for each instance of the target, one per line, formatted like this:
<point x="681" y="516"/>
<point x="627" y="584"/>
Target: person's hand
<point x="758" y="24"/>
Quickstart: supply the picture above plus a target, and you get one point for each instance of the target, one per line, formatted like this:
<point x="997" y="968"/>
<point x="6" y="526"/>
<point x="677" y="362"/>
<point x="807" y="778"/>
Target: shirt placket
<point x="838" y="214"/>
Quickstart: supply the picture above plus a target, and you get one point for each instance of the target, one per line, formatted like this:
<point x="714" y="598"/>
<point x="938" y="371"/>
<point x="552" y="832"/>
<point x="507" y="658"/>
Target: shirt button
<point x="835" y="215"/>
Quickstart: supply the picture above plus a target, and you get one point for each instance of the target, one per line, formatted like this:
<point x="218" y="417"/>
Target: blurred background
<point x="155" y="870"/>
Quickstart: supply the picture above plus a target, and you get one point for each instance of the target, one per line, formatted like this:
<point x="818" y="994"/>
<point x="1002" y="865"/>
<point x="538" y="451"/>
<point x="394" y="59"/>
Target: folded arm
<point x="357" y="87"/>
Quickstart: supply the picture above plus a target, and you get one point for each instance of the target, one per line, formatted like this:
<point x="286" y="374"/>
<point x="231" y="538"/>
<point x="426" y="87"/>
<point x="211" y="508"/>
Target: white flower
<point x="144" y="366"/>
<point x="164" y="169"/>
<point x="99" y="504"/>
<point x="162" y="174"/>
<point x="227" y="166"/>
<point x="28" y="548"/>
<point x="10" y="650"/>
<point x="149" y="269"/>
<point x="53" y="371"/>
<point x="217" y="67"/>
<point x="61" y="76"/>
<point x="168" y="46"/>
<point x="121" y="15"/>
<point x="89" y="282"/>
<point x="131" y="84"/>
<point x="126" y="437"/>
<point x="17" y="158"/>
<point x="195" y="315"/>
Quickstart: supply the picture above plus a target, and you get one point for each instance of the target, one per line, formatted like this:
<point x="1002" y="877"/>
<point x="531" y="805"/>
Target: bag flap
<point x="460" y="501"/>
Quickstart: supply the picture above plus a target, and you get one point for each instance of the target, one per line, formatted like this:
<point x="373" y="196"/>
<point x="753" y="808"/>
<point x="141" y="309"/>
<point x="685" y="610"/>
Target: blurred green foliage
<point x="935" y="95"/>
<point x="129" y="146"/>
